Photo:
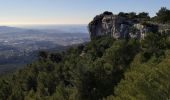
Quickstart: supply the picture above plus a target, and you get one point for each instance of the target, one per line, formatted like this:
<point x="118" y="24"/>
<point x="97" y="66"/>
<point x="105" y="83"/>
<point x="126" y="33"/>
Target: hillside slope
<point x="88" y="72"/>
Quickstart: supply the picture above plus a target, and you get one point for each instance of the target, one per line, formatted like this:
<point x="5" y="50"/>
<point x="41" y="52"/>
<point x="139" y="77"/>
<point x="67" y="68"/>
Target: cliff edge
<point x="108" y="24"/>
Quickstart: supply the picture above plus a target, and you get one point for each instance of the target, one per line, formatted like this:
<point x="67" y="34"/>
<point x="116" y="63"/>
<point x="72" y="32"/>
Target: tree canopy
<point x="163" y="15"/>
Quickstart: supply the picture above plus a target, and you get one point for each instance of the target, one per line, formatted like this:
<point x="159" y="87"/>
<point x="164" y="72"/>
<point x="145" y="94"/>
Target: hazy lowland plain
<point x="19" y="44"/>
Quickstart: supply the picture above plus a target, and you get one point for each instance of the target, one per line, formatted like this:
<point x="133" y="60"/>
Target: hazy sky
<point x="69" y="11"/>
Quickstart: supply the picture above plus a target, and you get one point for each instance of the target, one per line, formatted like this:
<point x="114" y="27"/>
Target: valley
<point x="19" y="46"/>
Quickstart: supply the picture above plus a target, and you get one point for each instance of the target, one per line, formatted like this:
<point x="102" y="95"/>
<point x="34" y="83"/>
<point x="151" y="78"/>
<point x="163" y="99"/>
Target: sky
<point x="30" y="12"/>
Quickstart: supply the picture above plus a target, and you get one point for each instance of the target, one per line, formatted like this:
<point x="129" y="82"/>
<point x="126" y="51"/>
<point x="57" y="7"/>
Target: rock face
<point x="117" y="27"/>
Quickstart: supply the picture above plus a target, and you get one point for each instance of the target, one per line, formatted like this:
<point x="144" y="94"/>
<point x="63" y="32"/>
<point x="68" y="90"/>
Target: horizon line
<point x="37" y="24"/>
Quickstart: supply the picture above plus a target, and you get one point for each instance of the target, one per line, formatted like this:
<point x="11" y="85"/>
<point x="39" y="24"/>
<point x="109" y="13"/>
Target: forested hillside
<point x="93" y="71"/>
<point x="103" y="69"/>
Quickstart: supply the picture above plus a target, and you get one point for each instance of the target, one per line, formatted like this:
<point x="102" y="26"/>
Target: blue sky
<point x="70" y="11"/>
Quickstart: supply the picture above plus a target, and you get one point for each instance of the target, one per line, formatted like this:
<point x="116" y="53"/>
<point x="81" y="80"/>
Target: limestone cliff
<point x="108" y="24"/>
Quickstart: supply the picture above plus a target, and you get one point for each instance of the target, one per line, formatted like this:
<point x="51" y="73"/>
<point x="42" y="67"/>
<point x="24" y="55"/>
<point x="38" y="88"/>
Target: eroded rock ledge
<point x="108" y="24"/>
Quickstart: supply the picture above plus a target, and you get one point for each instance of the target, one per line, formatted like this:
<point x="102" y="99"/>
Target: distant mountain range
<point x="6" y="29"/>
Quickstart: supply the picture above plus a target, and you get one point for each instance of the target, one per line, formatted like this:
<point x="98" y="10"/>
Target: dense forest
<point x="103" y="69"/>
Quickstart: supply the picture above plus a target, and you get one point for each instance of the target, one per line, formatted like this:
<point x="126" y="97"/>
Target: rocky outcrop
<point x="108" y="24"/>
